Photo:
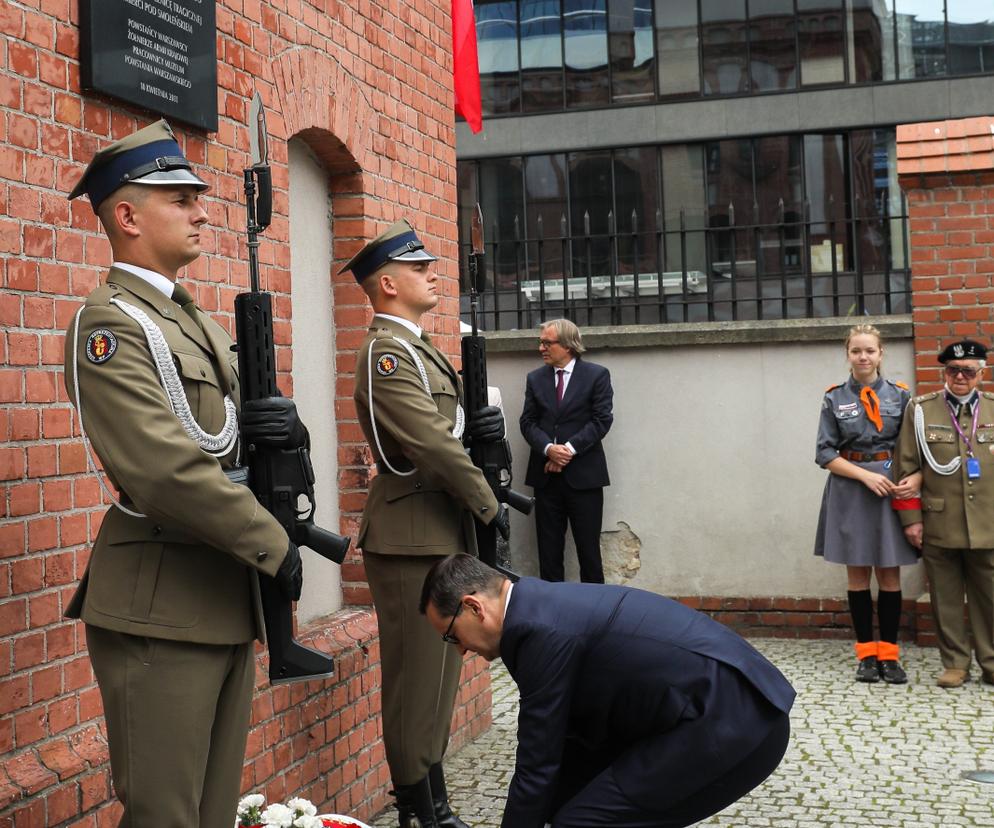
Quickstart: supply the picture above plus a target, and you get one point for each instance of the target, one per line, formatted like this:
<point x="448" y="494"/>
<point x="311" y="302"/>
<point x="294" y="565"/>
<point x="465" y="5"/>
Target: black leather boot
<point x="444" y="817"/>
<point x="414" y="805"/>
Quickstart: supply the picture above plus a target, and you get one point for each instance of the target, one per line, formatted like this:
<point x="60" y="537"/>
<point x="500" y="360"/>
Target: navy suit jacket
<point x="582" y="420"/>
<point x="602" y="668"/>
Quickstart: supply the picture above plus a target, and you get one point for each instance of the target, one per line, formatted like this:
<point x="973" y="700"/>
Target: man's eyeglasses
<point x="447" y="636"/>
<point x="547" y="343"/>
<point x="968" y="373"/>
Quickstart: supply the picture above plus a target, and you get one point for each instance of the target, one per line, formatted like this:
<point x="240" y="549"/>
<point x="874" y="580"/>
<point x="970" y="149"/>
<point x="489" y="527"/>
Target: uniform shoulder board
<point x="833" y="387"/>
<point x="924" y="397"/>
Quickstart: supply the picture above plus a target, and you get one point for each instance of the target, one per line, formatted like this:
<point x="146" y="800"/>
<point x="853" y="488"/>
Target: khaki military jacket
<point x="431" y="511"/>
<point x="188" y="570"/>
<point x="957" y="512"/>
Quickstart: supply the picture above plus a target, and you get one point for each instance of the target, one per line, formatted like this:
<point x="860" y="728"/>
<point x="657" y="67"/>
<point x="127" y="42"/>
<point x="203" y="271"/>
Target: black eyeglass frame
<point x="447" y="636"/>
<point x="968" y="373"/>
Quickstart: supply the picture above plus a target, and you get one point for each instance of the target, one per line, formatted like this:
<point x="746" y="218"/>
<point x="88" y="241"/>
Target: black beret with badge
<point x="149" y="156"/>
<point x="964" y="349"/>
<point x="398" y="243"/>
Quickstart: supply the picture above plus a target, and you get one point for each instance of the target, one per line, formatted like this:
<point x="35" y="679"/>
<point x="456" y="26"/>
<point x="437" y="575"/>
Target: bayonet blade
<point x="258" y="138"/>
<point x="476" y="231"/>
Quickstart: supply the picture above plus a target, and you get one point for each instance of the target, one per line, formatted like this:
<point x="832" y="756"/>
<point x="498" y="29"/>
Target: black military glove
<point x="502" y="522"/>
<point x="487" y="425"/>
<point x="290" y="575"/>
<point x="273" y="422"/>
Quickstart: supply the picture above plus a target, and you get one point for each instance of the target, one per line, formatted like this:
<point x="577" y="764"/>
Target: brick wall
<point x="368" y="86"/>
<point x="947" y="170"/>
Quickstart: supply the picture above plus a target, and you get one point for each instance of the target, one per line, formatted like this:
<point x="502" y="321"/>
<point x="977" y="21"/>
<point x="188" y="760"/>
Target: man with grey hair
<point x="567" y="412"/>
<point x="635" y="710"/>
<point x="948" y="436"/>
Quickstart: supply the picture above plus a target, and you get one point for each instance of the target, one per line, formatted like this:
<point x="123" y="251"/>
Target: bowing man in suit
<point x="635" y="710"/>
<point x="567" y="413"/>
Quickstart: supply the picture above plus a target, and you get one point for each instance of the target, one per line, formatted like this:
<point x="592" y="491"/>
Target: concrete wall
<point x="714" y="491"/>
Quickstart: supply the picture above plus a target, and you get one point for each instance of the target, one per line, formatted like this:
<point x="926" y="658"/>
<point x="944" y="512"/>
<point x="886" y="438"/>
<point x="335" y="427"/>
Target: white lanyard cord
<point x="457" y="429"/>
<point x="939" y="468"/>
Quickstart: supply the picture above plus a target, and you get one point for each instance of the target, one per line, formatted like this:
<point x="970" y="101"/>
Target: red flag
<point x="465" y="64"/>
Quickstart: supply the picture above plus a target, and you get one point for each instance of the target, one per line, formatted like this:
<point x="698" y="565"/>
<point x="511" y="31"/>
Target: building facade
<point x="707" y="160"/>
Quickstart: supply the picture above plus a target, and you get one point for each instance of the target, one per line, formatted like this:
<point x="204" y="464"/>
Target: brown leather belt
<point x="864" y="456"/>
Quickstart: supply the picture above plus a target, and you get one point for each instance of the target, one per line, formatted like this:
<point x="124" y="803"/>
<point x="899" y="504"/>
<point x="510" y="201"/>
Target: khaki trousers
<point x="420" y="671"/>
<point x="953" y="573"/>
<point x="177" y="721"/>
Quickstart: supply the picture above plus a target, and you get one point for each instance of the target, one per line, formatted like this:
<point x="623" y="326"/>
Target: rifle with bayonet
<point x="282" y="479"/>
<point x="492" y="458"/>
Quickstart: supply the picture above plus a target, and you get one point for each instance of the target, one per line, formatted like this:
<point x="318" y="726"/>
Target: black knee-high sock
<point x="861" y="610"/>
<point x="889" y="614"/>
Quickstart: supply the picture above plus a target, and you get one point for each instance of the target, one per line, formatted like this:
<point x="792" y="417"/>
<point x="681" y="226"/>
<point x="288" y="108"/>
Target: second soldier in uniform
<point x="421" y="507"/>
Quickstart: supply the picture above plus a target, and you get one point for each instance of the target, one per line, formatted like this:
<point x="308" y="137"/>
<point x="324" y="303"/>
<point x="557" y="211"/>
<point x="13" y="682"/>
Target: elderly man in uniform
<point x="421" y="506"/>
<point x="636" y="711"/>
<point x="170" y="598"/>
<point x="949" y="436"/>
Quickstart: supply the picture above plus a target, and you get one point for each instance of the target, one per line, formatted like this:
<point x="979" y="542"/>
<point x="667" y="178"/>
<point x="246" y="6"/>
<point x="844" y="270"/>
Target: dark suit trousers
<point x="601" y="801"/>
<point x="177" y="722"/>
<point x="556" y="504"/>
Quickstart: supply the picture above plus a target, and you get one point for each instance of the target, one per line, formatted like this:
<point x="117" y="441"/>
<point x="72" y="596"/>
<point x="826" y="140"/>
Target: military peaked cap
<point x="149" y="156"/>
<point x="398" y="243"/>
<point x="964" y="349"/>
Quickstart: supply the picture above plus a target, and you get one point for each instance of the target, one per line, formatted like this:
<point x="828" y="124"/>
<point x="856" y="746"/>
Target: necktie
<point x="560" y="385"/>
<point x="871" y="404"/>
<point x="182" y="297"/>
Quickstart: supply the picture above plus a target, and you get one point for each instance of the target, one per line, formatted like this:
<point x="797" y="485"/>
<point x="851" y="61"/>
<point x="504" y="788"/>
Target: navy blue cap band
<point x="103" y="181"/>
<point x="384" y="252"/>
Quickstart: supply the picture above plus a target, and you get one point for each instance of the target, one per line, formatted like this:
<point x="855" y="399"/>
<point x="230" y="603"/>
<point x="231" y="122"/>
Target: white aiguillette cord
<point x="939" y="468"/>
<point x="457" y="429"/>
<point x="216" y="445"/>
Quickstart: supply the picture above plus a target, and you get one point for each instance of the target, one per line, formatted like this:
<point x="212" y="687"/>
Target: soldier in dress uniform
<point x="860" y="420"/>
<point x="170" y="598"/>
<point x="948" y="435"/>
<point x="421" y="507"/>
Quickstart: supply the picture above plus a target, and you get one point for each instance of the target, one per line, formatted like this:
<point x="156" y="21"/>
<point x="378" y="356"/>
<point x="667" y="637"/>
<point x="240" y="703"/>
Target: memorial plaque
<point x="160" y="55"/>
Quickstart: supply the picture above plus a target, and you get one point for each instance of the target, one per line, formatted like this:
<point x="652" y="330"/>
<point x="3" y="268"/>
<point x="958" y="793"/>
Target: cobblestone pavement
<point x="860" y="754"/>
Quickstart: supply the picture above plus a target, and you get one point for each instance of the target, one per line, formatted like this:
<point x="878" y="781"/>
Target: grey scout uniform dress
<point x="855" y="526"/>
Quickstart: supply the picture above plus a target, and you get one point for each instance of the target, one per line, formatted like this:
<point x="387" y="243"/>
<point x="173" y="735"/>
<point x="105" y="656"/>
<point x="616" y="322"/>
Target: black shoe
<point x="867" y="670"/>
<point x="444" y="817"/>
<point x="414" y="806"/>
<point x="892" y="672"/>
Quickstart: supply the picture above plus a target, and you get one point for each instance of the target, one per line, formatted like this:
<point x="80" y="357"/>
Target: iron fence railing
<point x="692" y="269"/>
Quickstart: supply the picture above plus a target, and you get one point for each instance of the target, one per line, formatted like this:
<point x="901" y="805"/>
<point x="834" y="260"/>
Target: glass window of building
<point x="497" y="48"/>
<point x="636" y="200"/>
<point x="870" y="32"/>
<point x="630" y="47"/>
<point x="685" y="222"/>
<point x="971" y="36"/>
<point x="501" y="200"/>
<point x="821" y="28"/>
<point x="676" y="49"/>
<point x="541" y="56"/>
<point x="825" y="188"/>
<point x="591" y="209"/>
<point x="731" y="200"/>
<point x="724" y="47"/>
<point x="772" y="45"/>
<point x="921" y="38"/>
<point x="585" y="52"/>
<point x="545" y="202"/>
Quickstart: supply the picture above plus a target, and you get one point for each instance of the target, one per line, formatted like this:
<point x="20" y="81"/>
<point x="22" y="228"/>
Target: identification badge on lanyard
<point x="972" y="468"/>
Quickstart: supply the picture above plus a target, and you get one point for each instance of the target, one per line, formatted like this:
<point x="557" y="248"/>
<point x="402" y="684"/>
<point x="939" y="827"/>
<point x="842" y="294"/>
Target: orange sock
<point x="887" y="651"/>
<point x="865" y="649"/>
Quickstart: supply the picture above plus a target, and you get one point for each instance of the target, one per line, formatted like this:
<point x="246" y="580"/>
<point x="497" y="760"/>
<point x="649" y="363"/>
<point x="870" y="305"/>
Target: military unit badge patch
<point x="386" y="365"/>
<point x="100" y="346"/>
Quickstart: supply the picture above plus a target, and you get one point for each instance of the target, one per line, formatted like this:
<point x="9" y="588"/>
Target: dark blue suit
<point x="635" y="710"/>
<point x="575" y="495"/>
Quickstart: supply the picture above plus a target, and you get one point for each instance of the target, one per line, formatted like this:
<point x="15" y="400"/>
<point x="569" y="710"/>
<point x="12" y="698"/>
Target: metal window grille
<point x="677" y="271"/>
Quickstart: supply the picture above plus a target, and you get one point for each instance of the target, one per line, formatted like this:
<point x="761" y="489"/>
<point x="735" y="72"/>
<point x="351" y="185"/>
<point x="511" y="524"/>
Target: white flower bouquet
<point x="297" y="813"/>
